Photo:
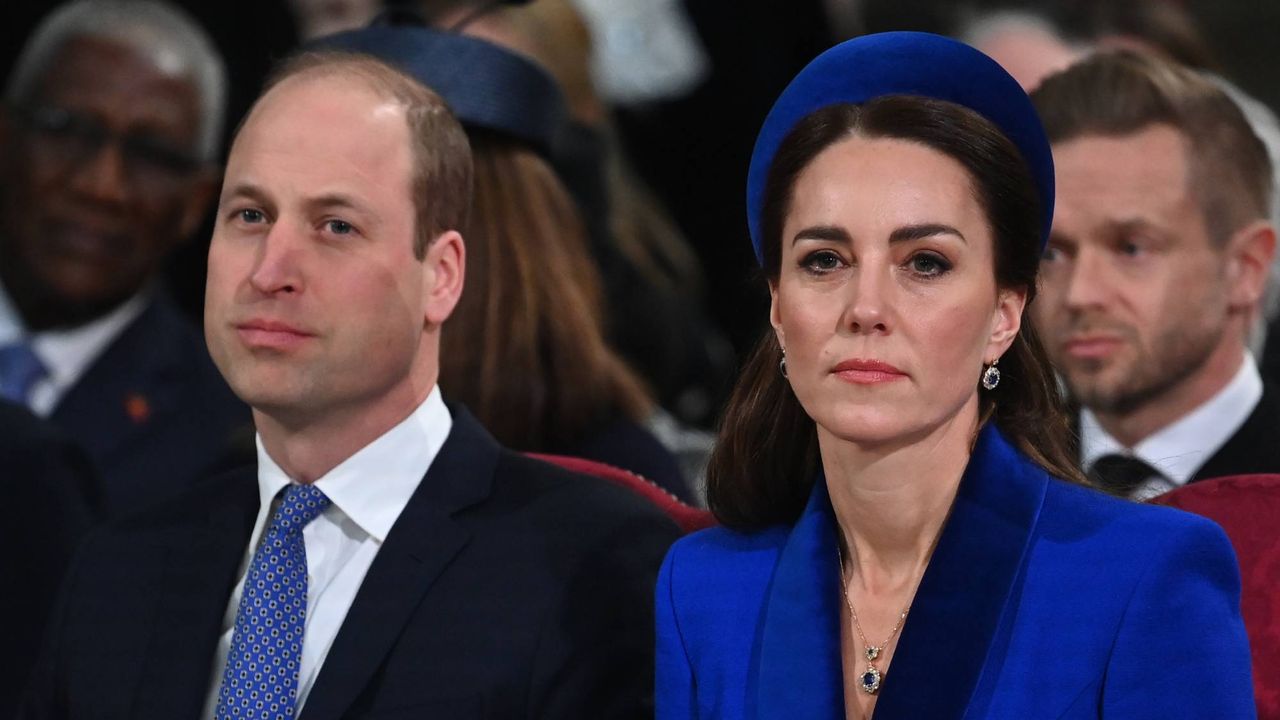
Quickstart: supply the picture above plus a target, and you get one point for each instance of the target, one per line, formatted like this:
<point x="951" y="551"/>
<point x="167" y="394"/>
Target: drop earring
<point x="991" y="376"/>
<point x="782" y="364"/>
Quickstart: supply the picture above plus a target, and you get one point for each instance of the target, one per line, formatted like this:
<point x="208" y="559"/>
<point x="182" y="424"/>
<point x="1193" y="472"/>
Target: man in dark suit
<point x="47" y="489"/>
<point x="386" y="557"/>
<point x="1155" y="272"/>
<point x="107" y="147"/>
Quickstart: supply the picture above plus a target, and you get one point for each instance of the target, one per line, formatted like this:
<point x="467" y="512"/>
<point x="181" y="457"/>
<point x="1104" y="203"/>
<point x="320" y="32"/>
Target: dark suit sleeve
<point x="40" y="700"/>
<point x="47" y="488"/>
<point x="595" y="657"/>
<point x="1182" y="651"/>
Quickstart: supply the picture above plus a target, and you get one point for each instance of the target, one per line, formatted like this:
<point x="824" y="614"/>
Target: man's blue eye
<point x="340" y="227"/>
<point x="251" y="216"/>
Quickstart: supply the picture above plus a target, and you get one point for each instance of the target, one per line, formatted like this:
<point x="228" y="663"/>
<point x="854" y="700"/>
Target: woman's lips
<point x="867" y="372"/>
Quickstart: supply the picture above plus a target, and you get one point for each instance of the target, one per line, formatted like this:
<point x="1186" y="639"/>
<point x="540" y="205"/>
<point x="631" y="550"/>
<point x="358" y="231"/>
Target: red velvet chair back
<point x="687" y="517"/>
<point x="1248" y="508"/>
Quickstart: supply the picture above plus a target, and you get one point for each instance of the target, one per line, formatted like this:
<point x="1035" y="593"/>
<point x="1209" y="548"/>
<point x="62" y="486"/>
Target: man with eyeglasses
<point x="108" y="138"/>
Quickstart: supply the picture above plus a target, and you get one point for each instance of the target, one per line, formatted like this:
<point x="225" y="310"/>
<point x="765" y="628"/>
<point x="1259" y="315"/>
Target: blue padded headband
<point x="904" y="63"/>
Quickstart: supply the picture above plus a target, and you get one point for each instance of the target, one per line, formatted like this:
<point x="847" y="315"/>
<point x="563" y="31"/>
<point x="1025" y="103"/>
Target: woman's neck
<point x="891" y="501"/>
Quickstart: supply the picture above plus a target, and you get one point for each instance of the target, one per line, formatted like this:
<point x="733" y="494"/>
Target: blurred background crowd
<point x="612" y="293"/>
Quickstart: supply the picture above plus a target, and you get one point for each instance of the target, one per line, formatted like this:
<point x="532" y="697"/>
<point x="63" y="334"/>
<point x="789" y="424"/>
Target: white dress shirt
<point x="368" y="492"/>
<point x="1181" y="448"/>
<point x="66" y="353"/>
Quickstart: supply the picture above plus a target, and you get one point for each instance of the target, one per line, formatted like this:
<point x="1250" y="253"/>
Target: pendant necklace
<point x="869" y="679"/>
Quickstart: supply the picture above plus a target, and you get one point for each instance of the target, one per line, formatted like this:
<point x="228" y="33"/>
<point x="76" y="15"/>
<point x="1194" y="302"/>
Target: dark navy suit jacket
<point x="152" y="411"/>
<point x="1042" y="600"/>
<point x="1253" y="448"/>
<point x="48" y="500"/>
<point x="507" y="588"/>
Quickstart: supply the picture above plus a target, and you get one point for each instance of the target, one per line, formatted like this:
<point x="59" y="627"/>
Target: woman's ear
<point x="1006" y="321"/>
<point x="775" y="314"/>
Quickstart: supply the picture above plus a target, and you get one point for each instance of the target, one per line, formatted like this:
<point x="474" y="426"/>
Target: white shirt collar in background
<point x="66" y="353"/>
<point x="1182" y="447"/>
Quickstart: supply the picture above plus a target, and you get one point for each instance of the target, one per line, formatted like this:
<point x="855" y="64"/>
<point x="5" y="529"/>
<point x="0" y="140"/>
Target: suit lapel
<point x="957" y="611"/>
<point x="118" y="393"/>
<point x="198" y="573"/>
<point x="1252" y="448"/>
<point x="954" y="618"/>
<point x="796" y="671"/>
<point x="419" y="547"/>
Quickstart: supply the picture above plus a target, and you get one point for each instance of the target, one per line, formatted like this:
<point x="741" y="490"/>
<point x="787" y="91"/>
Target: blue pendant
<point x="869" y="680"/>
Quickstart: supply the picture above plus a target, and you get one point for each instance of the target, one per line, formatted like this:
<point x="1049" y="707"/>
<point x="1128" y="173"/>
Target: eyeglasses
<point x="72" y="138"/>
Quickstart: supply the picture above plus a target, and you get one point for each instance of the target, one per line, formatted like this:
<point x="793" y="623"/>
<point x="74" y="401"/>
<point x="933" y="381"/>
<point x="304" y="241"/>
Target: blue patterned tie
<point x="20" y="370"/>
<point x="261" y="677"/>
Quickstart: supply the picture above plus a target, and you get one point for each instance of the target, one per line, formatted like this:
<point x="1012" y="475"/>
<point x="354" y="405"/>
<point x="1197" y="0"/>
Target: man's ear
<point x="201" y="193"/>
<point x="1006" y="322"/>
<point x="1249" y="253"/>
<point x="446" y="269"/>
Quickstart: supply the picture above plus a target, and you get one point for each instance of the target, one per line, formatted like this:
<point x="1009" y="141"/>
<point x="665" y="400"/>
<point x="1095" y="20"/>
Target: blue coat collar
<point x="954" y="619"/>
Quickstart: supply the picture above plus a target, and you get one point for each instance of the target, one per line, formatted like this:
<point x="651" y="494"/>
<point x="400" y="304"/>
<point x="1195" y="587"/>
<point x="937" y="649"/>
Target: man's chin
<point x="1102" y="395"/>
<point x="271" y="396"/>
<point x="67" y="299"/>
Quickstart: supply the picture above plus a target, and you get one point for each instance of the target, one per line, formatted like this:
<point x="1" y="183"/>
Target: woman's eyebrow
<point x="832" y="233"/>
<point x="828" y="233"/>
<point x="924" y="230"/>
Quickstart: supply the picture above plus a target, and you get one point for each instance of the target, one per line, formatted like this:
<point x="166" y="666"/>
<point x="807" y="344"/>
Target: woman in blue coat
<point x="905" y="531"/>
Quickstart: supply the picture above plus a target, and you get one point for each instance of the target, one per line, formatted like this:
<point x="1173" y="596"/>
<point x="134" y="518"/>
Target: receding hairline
<point x="376" y="75"/>
<point x="360" y="71"/>
<point x="437" y="142"/>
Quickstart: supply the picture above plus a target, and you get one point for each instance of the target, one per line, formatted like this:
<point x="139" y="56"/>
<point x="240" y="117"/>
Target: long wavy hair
<point x="525" y="348"/>
<point x="766" y="458"/>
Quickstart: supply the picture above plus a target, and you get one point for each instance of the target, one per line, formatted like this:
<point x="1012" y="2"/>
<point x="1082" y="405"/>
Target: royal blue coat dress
<point x="1042" y="600"/>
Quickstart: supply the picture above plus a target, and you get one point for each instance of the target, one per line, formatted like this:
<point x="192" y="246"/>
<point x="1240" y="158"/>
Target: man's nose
<point x="277" y="269"/>
<point x="102" y="174"/>
<point x="1091" y="280"/>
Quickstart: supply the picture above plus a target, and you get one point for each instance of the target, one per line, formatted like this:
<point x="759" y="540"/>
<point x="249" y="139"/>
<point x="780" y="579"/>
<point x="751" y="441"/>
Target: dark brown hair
<point x="525" y="348"/>
<point x="763" y="467"/>
<point x="1120" y="93"/>
<point x="441" y="185"/>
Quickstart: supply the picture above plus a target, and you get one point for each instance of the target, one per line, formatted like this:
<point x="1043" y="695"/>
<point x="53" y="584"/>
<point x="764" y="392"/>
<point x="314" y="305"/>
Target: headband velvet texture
<point x="485" y="86"/>
<point x="904" y="63"/>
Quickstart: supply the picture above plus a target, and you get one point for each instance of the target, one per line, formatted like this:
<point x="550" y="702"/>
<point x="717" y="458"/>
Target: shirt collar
<point x="1182" y="447"/>
<point x="67" y="352"/>
<point x="373" y="486"/>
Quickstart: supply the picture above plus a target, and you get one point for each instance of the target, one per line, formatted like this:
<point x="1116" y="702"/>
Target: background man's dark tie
<point x="1121" y="474"/>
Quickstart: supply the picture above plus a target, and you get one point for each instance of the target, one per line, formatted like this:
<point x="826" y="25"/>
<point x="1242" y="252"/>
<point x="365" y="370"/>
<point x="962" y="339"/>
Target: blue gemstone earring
<point x="991" y="376"/>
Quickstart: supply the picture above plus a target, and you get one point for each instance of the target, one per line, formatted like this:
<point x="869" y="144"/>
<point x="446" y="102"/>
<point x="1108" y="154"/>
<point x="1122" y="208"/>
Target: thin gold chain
<point x="853" y="614"/>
